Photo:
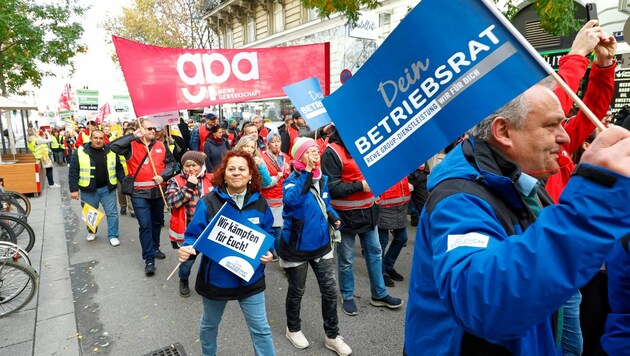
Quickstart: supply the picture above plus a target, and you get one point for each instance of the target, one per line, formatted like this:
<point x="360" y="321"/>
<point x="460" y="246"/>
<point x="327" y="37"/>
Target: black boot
<point x="123" y="211"/>
<point x="184" y="291"/>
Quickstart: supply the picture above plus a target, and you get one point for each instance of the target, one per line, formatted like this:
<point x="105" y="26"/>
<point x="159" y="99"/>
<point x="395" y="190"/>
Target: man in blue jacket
<point x="491" y="267"/>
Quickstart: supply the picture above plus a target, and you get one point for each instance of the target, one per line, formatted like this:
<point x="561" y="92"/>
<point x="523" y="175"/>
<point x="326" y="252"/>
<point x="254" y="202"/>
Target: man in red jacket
<point x="597" y="98"/>
<point x="150" y="174"/>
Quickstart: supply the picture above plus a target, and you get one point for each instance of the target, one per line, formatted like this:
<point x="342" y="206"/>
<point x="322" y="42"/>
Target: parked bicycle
<point x="14" y="210"/>
<point x="15" y="202"/>
<point x="19" y="281"/>
<point x="16" y="230"/>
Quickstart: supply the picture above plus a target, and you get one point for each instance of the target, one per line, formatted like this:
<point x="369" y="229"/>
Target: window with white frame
<point x="229" y="37"/>
<point x="385" y="20"/>
<point x="251" y="29"/>
<point x="278" y="17"/>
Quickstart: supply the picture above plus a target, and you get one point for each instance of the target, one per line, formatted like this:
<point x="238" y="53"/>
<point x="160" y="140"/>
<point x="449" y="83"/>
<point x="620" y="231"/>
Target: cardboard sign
<point x="234" y="242"/>
<point x="307" y="96"/>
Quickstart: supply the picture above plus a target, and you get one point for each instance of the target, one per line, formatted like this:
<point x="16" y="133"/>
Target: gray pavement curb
<point x="48" y="324"/>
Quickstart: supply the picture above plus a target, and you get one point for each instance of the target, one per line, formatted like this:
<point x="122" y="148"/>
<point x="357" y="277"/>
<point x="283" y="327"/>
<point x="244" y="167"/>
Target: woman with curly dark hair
<point x="236" y="182"/>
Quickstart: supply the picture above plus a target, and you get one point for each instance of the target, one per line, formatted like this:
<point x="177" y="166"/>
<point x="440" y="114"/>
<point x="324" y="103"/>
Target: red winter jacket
<point x="598" y="96"/>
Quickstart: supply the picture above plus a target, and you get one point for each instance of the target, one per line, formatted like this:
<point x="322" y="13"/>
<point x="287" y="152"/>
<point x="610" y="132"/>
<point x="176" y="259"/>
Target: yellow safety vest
<point x="38" y="150"/>
<point x="57" y="142"/>
<point x="86" y="169"/>
<point x="123" y="161"/>
<point x="85" y="137"/>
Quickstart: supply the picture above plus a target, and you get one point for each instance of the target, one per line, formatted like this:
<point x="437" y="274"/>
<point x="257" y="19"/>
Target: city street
<point x="95" y="298"/>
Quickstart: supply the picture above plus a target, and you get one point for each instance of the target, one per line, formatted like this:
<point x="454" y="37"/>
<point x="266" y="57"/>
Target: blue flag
<point x="447" y="66"/>
<point x="234" y="242"/>
<point x="307" y="97"/>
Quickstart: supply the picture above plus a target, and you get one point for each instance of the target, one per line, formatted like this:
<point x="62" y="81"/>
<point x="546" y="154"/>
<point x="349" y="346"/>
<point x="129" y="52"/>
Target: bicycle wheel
<point x="21" y="199"/>
<point x="9" y="250"/>
<point x="10" y="205"/>
<point x="24" y="234"/>
<point x="6" y="233"/>
<point x="18" y="284"/>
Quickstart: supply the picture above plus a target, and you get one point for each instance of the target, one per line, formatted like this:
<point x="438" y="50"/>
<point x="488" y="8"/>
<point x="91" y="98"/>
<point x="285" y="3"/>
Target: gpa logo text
<point x="204" y="71"/>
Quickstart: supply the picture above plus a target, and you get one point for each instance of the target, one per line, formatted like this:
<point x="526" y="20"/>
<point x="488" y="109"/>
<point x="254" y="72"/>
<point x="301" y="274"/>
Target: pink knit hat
<point x="300" y="145"/>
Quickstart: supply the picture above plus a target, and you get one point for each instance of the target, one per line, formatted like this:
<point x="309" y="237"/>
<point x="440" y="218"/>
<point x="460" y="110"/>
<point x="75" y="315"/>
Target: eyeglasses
<point x="150" y="128"/>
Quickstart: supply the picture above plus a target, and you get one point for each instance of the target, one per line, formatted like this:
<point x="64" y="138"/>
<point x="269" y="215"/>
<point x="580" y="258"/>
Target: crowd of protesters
<point x="517" y="251"/>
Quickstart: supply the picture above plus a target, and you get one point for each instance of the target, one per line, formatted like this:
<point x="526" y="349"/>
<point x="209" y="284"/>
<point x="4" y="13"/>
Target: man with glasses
<point x="150" y="175"/>
<point x="262" y="130"/>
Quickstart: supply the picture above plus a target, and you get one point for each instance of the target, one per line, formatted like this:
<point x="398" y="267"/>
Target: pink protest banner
<point x="166" y="79"/>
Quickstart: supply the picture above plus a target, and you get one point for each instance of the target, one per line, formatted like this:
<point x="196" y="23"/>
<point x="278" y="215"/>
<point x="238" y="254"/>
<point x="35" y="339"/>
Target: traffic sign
<point x="345" y="75"/>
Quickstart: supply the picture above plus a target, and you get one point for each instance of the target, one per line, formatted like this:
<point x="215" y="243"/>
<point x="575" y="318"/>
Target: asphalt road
<point x="120" y="311"/>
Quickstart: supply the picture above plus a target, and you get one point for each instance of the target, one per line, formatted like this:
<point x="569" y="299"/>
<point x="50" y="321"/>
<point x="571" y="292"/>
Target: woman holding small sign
<point x="306" y="241"/>
<point x="183" y="192"/>
<point x="237" y="183"/>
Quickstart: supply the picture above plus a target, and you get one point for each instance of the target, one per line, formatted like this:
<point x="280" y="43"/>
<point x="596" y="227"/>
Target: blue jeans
<point x="108" y="200"/>
<point x="58" y="156"/>
<point x="255" y="315"/>
<point x="49" y="176"/>
<point x="413" y="210"/>
<point x="571" y="331"/>
<point x="373" y="260"/>
<point x="399" y="241"/>
<point x="325" y="274"/>
<point x="150" y="213"/>
<point x="185" y="268"/>
<point x="277" y="234"/>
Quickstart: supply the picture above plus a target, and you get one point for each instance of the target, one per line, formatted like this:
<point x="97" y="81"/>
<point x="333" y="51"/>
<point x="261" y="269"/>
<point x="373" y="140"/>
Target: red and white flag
<point x="103" y="112"/>
<point x="64" y="99"/>
<point x="168" y="79"/>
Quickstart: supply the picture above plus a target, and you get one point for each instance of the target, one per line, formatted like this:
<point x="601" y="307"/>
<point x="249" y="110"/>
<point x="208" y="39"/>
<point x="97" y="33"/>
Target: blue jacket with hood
<point x="475" y="287"/>
<point x="305" y="233"/>
<point x="213" y="280"/>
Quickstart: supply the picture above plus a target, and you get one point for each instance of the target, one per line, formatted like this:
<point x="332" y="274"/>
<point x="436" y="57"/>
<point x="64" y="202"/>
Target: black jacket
<point x="73" y="172"/>
<point x="356" y="220"/>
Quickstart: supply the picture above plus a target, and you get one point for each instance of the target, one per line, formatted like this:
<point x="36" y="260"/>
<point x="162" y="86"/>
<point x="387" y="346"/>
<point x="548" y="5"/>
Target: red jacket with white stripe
<point x="398" y="194"/>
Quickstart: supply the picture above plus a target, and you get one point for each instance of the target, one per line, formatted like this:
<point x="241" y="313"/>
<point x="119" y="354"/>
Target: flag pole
<point x="151" y="162"/>
<point x="538" y="58"/>
<point x="171" y="275"/>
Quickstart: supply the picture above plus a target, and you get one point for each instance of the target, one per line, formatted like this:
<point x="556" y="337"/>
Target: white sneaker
<point x="297" y="339"/>
<point x="339" y="346"/>
<point x="91" y="237"/>
<point x="54" y="186"/>
<point x="114" y="241"/>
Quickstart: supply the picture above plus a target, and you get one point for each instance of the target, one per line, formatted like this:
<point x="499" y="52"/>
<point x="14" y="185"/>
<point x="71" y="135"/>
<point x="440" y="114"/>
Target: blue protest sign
<point x="447" y="66"/>
<point x="307" y="97"/>
<point x="234" y="242"/>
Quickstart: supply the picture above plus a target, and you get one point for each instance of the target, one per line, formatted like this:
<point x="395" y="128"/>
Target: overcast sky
<point x="94" y="68"/>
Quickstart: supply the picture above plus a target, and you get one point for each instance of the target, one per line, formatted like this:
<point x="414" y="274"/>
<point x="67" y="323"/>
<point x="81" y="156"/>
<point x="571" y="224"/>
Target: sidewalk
<point x="96" y="299"/>
<point x="48" y="324"/>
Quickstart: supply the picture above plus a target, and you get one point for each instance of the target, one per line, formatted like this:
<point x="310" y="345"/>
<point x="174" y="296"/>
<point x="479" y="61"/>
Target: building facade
<point x="264" y="24"/>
